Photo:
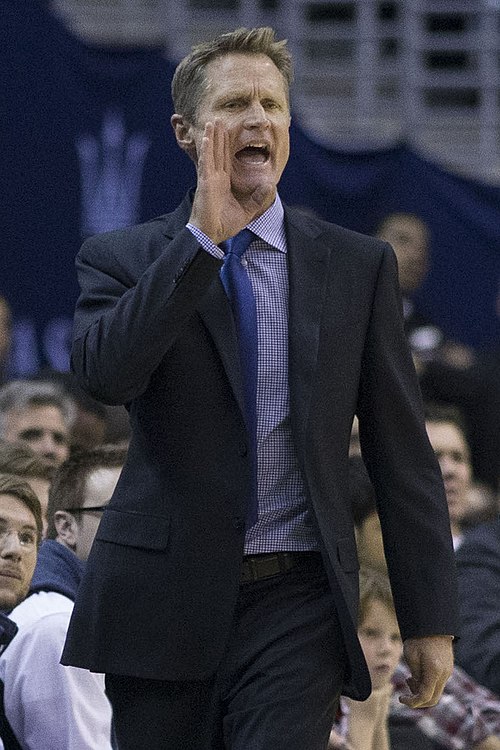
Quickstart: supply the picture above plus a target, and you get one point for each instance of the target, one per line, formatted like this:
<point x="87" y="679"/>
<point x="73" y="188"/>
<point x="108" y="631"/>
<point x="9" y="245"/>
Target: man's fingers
<point x="431" y="662"/>
<point x="422" y="696"/>
<point x="218" y="146"/>
<point x="205" y="155"/>
<point x="227" y="153"/>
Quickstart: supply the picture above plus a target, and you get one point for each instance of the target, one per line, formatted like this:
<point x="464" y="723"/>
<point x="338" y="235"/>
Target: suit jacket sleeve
<point x="404" y="470"/>
<point x="137" y="290"/>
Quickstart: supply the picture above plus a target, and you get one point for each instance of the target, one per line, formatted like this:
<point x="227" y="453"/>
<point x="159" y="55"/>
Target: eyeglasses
<point x="97" y="508"/>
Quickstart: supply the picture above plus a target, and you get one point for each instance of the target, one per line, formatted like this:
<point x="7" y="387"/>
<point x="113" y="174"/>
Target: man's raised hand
<point x="216" y="210"/>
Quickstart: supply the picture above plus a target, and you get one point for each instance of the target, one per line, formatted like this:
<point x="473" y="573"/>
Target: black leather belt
<point x="267" y="565"/>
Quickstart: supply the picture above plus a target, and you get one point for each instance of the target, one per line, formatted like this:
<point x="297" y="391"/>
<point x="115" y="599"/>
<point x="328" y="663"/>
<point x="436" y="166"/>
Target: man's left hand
<point x="430" y="660"/>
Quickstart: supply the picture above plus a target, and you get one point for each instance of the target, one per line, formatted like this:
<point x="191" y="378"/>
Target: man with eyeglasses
<point x="48" y="706"/>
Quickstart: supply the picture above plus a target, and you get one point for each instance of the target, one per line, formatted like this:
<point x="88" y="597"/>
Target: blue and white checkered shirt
<point x="284" y="521"/>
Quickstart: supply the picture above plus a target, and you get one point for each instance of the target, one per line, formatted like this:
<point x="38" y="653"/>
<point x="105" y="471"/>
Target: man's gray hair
<point x="188" y="83"/>
<point x="18" y="395"/>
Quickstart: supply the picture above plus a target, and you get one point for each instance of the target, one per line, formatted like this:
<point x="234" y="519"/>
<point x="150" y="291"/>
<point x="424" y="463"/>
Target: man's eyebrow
<point x="31" y="431"/>
<point x="228" y="96"/>
<point x="28" y="525"/>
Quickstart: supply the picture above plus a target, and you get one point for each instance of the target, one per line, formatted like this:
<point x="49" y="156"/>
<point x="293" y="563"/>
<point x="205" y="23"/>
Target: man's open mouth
<point x="254" y="153"/>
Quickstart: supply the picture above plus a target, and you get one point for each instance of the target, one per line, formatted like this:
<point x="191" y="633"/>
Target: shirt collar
<point x="270" y="226"/>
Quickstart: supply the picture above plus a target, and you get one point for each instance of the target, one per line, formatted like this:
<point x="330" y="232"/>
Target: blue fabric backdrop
<point x="87" y="145"/>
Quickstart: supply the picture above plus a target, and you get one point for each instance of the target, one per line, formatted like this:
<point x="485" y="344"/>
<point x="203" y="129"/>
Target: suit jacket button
<point x="242" y="449"/>
<point x="239" y="524"/>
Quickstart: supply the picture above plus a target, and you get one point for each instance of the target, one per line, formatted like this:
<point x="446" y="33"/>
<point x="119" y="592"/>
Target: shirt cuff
<point x="206" y="242"/>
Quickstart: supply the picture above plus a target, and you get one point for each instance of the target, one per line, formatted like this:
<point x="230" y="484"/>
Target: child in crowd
<point x="363" y="725"/>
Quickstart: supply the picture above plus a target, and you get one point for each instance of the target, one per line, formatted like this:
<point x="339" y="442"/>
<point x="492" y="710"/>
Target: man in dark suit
<point x="218" y="622"/>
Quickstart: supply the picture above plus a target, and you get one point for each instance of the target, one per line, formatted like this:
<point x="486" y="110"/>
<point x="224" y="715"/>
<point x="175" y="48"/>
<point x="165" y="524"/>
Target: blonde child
<point x="363" y="725"/>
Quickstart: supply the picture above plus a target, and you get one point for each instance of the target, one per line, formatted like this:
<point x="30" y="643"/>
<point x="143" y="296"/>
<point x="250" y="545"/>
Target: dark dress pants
<point x="277" y="687"/>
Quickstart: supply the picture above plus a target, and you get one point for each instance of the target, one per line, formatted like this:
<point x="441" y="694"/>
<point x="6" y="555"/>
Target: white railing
<point x="368" y="72"/>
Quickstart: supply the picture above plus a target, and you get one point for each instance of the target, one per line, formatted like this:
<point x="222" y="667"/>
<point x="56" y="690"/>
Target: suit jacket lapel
<point x="308" y="261"/>
<point x="216" y="314"/>
<point x="214" y="309"/>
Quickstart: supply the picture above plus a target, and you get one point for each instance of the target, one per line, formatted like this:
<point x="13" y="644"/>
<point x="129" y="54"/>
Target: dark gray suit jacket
<point x="153" y="329"/>
<point x="478" y="561"/>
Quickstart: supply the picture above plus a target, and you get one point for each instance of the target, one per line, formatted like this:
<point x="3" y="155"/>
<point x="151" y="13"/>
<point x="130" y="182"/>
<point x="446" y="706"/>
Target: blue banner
<point x="87" y="146"/>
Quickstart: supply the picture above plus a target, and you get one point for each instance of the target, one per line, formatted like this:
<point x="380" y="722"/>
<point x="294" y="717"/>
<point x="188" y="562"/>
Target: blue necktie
<point x="238" y="288"/>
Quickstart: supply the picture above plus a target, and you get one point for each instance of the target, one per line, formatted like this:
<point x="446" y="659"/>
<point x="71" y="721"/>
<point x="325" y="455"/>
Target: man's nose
<point x="48" y="445"/>
<point x="256" y="115"/>
<point x="447" y="467"/>
<point x="385" y="645"/>
<point x="10" y="545"/>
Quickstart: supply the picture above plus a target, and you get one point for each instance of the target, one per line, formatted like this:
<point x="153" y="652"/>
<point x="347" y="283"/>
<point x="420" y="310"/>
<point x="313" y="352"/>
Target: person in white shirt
<point x="50" y="706"/>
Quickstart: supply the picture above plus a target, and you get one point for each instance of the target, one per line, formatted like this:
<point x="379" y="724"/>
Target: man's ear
<point x="184" y="135"/>
<point x="67" y="528"/>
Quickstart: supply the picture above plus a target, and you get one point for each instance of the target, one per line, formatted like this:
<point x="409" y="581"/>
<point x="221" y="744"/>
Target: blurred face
<point x="381" y="642"/>
<point x="76" y="528"/>
<point x="249" y="95"/>
<point x="452" y="452"/>
<point x="18" y="550"/>
<point x="408" y="237"/>
<point x="101" y="484"/>
<point x="42" y="428"/>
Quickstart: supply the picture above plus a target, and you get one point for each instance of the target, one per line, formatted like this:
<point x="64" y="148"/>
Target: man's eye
<point x="31" y="434"/>
<point x="27" y="539"/>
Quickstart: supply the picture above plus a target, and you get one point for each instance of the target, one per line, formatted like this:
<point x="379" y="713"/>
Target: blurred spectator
<point x="95" y="423"/>
<point x="366" y="521"/>
<point x="49" y="706"/>
<point x="79" y="494"/>
<point x="468" y="715"/>
<point x="5" y="338"/>
<point x="20" y="535"/>
<point x="39" y="414"/>
<point x="90" y="424"/>
<point x="363" y="724"/>
<point x="447" y="436"/>
<point x="448" y="371"/>
<point x="37" y="471"/>
<point x="478" y="561"/>
<point x="409" y="236"/>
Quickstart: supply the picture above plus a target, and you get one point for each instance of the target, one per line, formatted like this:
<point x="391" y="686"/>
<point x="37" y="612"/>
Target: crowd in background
<point x="60" y="458"/>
